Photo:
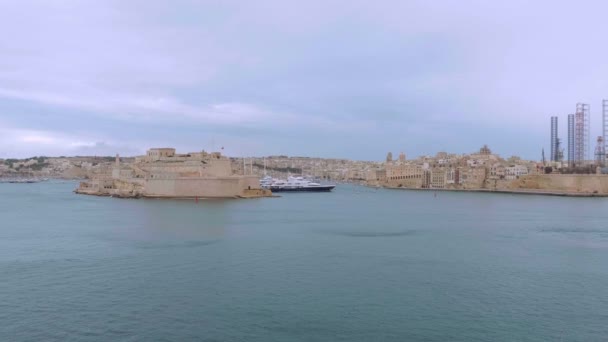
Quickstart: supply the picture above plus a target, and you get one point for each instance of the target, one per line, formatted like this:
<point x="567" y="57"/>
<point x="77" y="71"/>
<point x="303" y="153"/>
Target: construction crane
<point x="543" y="157"/>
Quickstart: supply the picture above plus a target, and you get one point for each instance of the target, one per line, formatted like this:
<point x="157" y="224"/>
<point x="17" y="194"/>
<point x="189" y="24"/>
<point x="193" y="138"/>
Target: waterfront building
<point x="447" y="171"/>
<point x="515" y="171"/>
<point x="405" y="175"/>
<point x="479" y="170"/>
<point x="376" y="176"/>
<point x="473" y="178"/>
<point x="356" y="175"/>
<point x="438" y="178"/>
<point x="451" y="176"/>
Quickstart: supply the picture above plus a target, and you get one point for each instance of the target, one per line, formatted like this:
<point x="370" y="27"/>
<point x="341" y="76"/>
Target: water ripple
<point x="574" y="230"/>
<point x="171" y="245"/>
<point x="369" y="234"/>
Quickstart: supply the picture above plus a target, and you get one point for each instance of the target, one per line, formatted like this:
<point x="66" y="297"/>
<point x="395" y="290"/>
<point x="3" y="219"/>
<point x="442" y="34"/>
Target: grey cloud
<point x="101" y="148"/>
<point x="349" y="78"/>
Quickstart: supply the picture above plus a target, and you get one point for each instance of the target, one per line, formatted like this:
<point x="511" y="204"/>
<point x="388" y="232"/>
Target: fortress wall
<point x="216" y="168"/>
<point x="228" y="187"/>
<point x="250" y="181"/>
<point x="564" y="183"/>
<point x="160" y="187"/>
<point x="161" y="173"/>
<point x="194" y="187"/>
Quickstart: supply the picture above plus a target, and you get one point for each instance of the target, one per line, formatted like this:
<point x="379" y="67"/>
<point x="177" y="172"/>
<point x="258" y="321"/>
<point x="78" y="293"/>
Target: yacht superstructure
<point x="293" y="184"/>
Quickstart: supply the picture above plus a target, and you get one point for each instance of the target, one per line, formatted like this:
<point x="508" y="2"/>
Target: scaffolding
<point x="605" y="126"/>
<point x="581" y="134"/>
<point x="554" y="140"/>
<point x="600" y="152"/>
<point x="570" y="140"/>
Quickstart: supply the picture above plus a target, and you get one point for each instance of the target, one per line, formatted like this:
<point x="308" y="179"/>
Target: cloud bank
<point x="334" y="79"/>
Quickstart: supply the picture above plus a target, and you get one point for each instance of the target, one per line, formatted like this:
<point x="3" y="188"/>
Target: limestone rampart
<point x="581" y="184"/>
<point x="200" y="187"/>
<point x="163" y="174"/>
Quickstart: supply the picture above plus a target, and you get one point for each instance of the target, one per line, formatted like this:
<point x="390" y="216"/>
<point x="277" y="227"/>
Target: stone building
<point x="451" y="176"/>
<point x="497" y="171"/>
<point x="405" y="175"/>
<point x="515" y="171"/>
<point x="389" y="157"/>
<point x="402" y="157"/>
<point x="473" y="178"/>
<point x="438" y="178"/>
<point x="376" y="176"/>
<point x="485" y="150"/>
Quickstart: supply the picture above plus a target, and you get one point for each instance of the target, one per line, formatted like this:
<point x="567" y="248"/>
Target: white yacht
<point x="296" y="184"/>
<point x="266" y="182"/>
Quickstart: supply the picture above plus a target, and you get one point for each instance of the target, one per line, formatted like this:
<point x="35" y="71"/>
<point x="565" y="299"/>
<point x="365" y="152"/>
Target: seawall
<point x="548" y="185"/>
<point x="568" y="184"/>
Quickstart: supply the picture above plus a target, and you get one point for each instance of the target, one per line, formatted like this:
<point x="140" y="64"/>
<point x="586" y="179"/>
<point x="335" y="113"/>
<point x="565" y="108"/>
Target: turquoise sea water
<point x="357" y="264"/>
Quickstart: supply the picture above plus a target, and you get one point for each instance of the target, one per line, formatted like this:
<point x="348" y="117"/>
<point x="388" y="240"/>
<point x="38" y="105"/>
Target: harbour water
<point x="357" y="264"/>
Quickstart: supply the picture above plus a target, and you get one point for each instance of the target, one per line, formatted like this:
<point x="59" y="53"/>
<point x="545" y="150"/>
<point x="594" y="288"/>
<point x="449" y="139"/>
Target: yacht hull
<point x="322" y="188"/>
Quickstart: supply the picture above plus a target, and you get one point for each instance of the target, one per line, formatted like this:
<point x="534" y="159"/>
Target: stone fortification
<point x="164" y="174"/>
<point x="567" y="184"/>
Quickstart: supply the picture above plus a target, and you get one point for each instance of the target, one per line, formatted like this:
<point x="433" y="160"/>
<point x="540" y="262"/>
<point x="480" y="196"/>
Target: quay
<point x="506" y="191"/>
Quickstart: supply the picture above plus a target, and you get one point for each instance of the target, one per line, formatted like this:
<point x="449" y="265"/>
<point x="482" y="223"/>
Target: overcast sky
<point x="352" y="79"/>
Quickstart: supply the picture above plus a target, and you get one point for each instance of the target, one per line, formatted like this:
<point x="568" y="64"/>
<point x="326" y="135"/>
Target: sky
<point x="335" y="79"/>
